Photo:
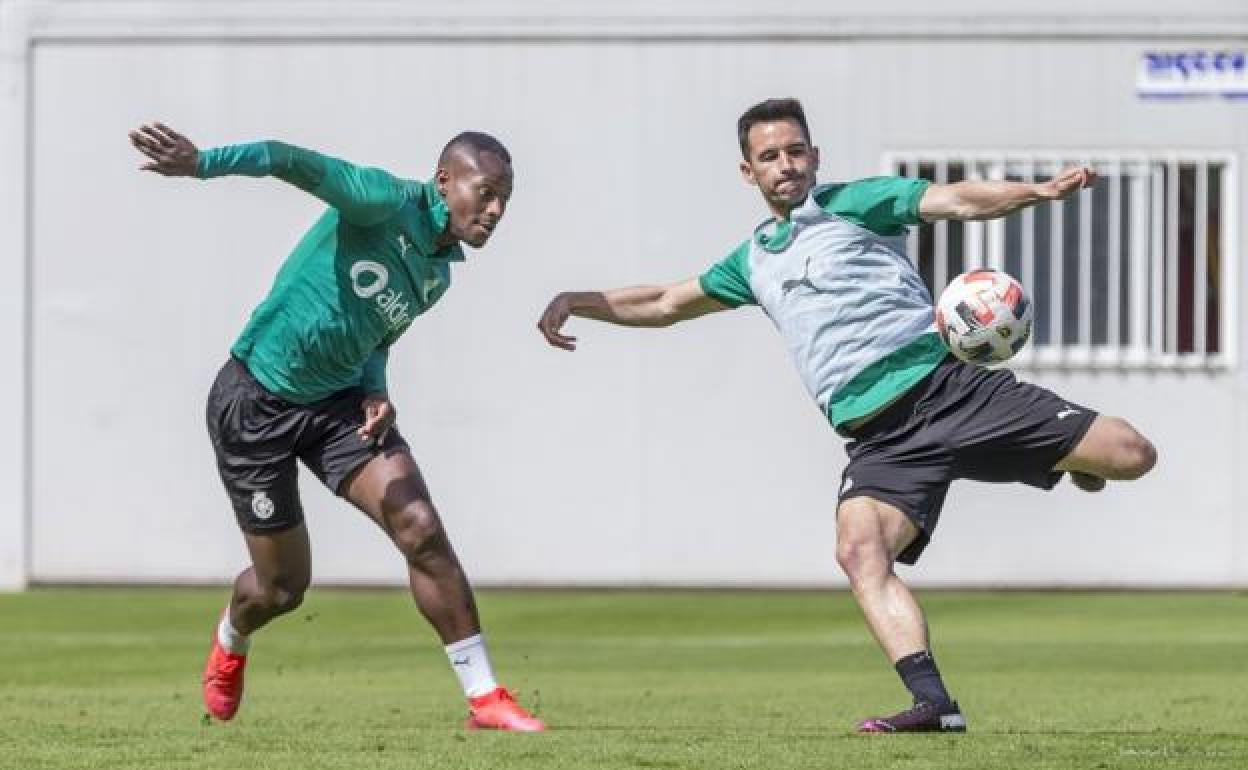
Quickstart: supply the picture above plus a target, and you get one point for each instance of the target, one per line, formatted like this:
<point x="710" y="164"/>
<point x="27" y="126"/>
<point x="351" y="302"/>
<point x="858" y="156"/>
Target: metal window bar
<point x="1057" y="255"/>
<point x="1139" y="180"/>
<point x="910" y="169"/>
<point x="1228" y="299"/>
<point x="940" y="255"/>
<point x="1113" y="331"/>
<point x="1028" y="234"/>
<point x="995" y="246"/>
<point x="1146" y="252"/>
<point x="1171" y="346"/>
<point x="972" y="232"/>
<point x="1156" y="259"/>
<point x="1085" y="269"/>
<point x="1200" y="233"/>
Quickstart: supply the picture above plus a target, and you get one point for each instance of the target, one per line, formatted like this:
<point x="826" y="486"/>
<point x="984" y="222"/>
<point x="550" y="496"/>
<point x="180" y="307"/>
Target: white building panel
<point x="682" y="456"/>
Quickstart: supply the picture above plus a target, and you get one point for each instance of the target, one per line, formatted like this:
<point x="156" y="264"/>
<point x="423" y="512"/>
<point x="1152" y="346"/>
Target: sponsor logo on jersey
<point x="371" y="280"/>
<point x="393" y="308"/>
<point x="368" y="279"/>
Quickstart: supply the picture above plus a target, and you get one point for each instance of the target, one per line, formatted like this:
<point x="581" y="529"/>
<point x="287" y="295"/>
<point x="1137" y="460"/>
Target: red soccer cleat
<point x="497" y="710"/>
<point x="223" y="681"/>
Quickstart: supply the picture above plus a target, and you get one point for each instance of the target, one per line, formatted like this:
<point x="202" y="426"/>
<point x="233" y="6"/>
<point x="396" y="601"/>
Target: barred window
<point x="1138" y="271"/>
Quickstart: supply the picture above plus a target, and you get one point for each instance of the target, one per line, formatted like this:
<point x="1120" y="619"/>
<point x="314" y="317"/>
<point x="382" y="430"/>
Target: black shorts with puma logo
<point x="960" y="422"/>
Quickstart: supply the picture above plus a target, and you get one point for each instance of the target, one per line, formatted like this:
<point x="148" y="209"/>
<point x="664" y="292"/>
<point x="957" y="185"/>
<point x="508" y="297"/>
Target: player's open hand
<point x="552" y="321"/>
<point x="379" y="415"/>
<point x="1068" y="182"/>
<point x="169" y="153"/>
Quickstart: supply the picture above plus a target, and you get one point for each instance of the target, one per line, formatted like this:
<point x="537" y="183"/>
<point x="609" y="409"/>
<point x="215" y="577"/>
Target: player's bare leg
<point x="391" y="490"/>
<point x="1111" y="450"/>
<point x="273" y="585"/>
<point x="870" y="536"/>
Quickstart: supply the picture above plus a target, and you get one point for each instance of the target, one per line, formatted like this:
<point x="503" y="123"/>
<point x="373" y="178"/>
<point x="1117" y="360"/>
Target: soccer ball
<point x="984" y="316"/>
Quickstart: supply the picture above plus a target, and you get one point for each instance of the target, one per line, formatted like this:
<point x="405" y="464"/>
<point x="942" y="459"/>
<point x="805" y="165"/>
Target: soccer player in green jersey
<point x="306" y="380"/>
<point x="830" y="270"/>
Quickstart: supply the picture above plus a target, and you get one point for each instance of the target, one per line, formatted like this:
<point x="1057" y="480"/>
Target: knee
<point x="854" y="555"/>
<point x="281" y="596"/>
<point x="418" y="531"/>
<point x="861" y="552"/>
<point x="1134" y="455"/>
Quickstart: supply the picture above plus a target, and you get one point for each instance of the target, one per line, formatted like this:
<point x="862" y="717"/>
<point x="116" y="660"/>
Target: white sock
<point x="471" y="663"/>
<point x="229" y="638"/>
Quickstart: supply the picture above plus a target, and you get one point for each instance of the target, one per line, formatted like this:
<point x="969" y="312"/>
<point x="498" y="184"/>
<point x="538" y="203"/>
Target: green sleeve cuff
<point x="250" y="159"/>
<point x="374" y="378"/>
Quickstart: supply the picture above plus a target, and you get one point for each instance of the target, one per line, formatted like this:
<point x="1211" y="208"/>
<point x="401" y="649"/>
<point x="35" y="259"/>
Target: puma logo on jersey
<point x="792" y="283"/>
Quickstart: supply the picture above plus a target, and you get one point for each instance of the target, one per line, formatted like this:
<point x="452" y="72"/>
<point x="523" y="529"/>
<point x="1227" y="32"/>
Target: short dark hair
<point x="475" y="142"/>
<point x="766" y="112"/>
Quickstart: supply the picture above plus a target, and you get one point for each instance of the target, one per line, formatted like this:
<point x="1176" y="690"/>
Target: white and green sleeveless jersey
<point x="835" y="280"/>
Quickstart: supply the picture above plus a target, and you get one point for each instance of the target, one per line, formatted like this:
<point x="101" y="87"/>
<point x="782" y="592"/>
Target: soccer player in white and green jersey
<point x="829" y="268"/>
<point x="306" y="381"/>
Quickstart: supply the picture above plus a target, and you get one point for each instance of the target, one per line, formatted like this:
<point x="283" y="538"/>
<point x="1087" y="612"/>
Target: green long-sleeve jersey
<point x="354" y="282"/>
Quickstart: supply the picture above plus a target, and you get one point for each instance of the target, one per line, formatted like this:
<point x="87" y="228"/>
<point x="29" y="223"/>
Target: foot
<point x="1087" y="482"/>
<point x="497" y="710"/>
<point x="223" y="682"/>
<point x="919" y="718"/>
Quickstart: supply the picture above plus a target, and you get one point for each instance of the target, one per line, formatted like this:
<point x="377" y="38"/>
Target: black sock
<point x="922" y="678"/>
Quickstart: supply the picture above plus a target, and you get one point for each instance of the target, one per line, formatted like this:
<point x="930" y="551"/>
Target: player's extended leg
<point x="390" y="489"/>
<point x="273" y="585"/>
<point x="1111" y="449"/>
<point x="870" y="536"/>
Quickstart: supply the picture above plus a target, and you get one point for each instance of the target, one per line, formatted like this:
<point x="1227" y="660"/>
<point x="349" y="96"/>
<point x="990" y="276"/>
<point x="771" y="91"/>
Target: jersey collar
<point x="774" y="235"/>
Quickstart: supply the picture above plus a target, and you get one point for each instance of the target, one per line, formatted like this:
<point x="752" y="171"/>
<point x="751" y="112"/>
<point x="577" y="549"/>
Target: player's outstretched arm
<point x="990" y="200"/>
<point x="638" y="306"/>
<point x="363" y="196"/>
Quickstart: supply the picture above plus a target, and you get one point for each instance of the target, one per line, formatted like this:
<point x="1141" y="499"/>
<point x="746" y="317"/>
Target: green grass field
<point x="109" y="679"/>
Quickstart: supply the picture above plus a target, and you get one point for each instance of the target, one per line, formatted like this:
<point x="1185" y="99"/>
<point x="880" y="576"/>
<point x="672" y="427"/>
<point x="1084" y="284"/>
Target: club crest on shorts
<point x="262" y="505"/>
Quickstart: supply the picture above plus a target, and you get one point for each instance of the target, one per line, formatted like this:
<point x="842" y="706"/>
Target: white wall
<point x="690" y="455"/>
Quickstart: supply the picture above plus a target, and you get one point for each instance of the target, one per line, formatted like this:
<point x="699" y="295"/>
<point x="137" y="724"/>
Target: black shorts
<point x="257" y="436"/>
<point x="961" y="422"/>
